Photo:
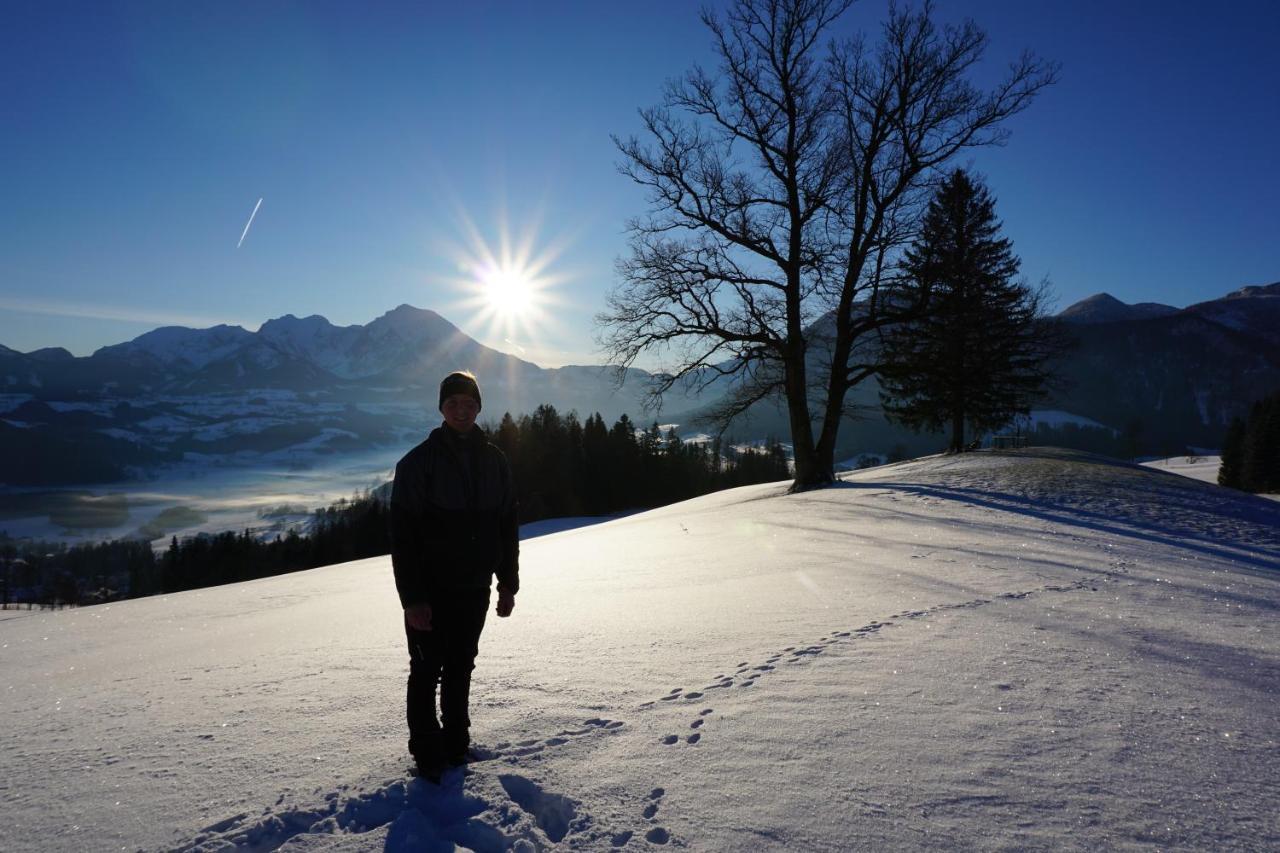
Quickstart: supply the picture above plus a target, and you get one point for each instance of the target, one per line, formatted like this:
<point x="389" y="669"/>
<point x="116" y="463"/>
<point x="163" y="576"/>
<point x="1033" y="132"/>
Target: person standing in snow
<point x="453" y="528"/>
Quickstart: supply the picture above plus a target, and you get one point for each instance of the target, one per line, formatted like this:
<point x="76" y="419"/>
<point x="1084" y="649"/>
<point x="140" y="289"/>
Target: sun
<point x="507" y="286"/>
<point x="509" y="290"/>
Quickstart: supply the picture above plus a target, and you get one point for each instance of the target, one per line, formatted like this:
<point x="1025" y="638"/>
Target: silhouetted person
<point x="453" y="527"/>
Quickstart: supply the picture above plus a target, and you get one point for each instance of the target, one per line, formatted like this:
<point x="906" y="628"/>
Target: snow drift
<point x="1019" y="650"/>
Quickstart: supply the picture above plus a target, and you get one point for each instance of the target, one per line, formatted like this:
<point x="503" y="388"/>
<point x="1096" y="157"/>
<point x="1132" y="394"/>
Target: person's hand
<point x="418" y="617"/>
<point x="506" y="603"/>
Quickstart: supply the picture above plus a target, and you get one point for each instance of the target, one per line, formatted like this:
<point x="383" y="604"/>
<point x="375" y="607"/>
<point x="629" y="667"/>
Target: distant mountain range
<point x="1173" y="376"/>
<point x="303" y="386"/>
<point x="398" y="357"/>
<point x="1253" y="311"/>
<point x="295" y="388"/>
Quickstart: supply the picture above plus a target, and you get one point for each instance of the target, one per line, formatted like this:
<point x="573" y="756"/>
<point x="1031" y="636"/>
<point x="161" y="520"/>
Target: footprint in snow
<point x="414" y="815"/>
<point x="555" y="814"/>
<point x="533" y="746"/>
<point x="657" y="835"/>
<point x="655" y="798"/>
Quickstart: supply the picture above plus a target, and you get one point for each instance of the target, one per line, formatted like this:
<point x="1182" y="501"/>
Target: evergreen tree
<point x="1260" y="462"/>
<point x="1231" y="471"/>
<point x="977" y="349"/>
<point x="595" y="449"/>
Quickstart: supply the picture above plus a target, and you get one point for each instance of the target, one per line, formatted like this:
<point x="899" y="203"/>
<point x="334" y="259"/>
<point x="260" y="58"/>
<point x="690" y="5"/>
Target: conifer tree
<point x="977" y="350"/>
<point x="1231" y="470"/>
<point x="1260" y="456"/>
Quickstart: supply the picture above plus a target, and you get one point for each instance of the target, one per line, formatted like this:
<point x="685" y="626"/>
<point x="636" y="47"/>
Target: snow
<point x="165" y="423"/>
<point x="122" y="434"/>
<point x="9" y="402"/>
<point x="1017" y="650"/>
<point x="861" y="460"/>
<point x="559" y="525"/>
<point x="239" y="426"/>
<point x="1054" y="418"/>
<point x="178" y="345"/>
<point x="106" y="408"/>
<point x="1203" y="468"/>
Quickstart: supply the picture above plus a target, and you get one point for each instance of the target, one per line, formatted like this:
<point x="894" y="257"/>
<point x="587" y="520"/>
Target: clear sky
<point x="396" y="147"/>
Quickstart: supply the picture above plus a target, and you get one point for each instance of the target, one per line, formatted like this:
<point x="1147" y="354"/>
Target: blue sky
<point x="394" y="145"/>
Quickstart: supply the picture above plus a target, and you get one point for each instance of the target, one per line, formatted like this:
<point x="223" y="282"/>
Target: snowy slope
<point x="1202" y="468"/>
<point x="1033" y="650"/>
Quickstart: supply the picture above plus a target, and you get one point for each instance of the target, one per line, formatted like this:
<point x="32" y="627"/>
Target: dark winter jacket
<point x="453" y="518"/>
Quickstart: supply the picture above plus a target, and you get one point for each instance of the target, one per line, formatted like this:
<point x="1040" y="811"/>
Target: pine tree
<point x="1260" y="456"/>
<point x="1231" y="471"/>
<point x="978" y="348"/>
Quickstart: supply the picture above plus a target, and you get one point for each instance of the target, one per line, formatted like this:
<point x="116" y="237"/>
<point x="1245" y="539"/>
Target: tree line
<point x="1251" y="449"/>
<point x="54" y="574"/>
<point x="562" y="466"/>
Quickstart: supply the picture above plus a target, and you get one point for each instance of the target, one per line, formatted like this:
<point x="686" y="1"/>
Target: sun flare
<point x="508" y="288"/>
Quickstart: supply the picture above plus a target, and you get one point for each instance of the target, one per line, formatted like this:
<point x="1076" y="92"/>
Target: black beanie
<point x="459" y="382"/>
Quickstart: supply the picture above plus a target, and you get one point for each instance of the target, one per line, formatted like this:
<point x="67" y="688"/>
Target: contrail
<point x="250" y="222"/>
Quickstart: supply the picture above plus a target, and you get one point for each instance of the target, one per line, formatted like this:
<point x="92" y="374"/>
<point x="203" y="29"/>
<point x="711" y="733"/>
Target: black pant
<point x="445" y="655"/>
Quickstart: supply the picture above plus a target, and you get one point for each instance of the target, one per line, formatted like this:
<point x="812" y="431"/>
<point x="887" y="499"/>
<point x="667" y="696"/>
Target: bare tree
<point x="782" y="188"/>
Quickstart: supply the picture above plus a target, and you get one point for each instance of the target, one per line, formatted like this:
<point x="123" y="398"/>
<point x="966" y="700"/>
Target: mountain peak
<point x="404" y="309"/>
<point x="1087" y="309"/>
<point x="51" y="354"/>
<point x="1254" y="291"/>
<point x="1105" y="308"/>
<point x="412" y="323"/>
<point x="291" y="322"/>
<point x="181" y="345"/>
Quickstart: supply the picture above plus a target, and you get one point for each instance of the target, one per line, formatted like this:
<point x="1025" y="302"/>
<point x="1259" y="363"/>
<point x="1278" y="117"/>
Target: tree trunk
<point x="815" y="466"/>
<point x="809" y="468"/>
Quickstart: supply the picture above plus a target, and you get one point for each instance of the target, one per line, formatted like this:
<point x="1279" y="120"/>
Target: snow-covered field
<point x="1202" y="468"/>
<point x="1006" y="651"/>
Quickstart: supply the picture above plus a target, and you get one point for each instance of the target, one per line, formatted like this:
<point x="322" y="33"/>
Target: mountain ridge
<point x="298" y="387"/>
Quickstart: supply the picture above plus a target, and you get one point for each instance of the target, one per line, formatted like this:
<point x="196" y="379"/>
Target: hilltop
<point x="1029" y="650"/>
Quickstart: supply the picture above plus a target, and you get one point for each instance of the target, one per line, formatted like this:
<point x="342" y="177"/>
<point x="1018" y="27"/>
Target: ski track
<point x="466" y="809"/>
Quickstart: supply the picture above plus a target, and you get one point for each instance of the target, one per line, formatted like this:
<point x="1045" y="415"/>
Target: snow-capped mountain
<point x="399" y="339"/>
<point x="181" y="348"/>
<point x="406" y="348"/>
<point x="1169" y="377"/>
<point x="296" y="387"/>
<point x="1251" y="310"/>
